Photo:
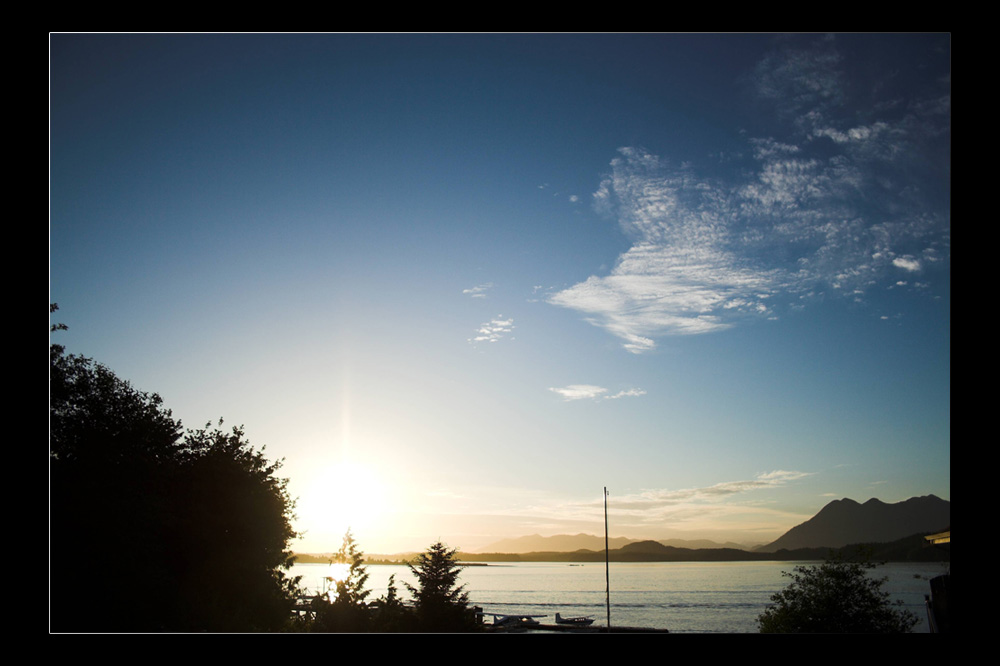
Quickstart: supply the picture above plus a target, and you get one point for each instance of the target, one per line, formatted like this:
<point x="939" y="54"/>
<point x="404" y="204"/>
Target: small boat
<point x="582" y="621"/>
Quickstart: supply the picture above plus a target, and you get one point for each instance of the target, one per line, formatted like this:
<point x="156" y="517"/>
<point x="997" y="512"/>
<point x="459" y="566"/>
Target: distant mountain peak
<point x="844" y="521"/>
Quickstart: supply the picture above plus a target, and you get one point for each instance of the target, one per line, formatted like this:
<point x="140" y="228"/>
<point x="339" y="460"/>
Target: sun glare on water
<point x="337" y="573"/>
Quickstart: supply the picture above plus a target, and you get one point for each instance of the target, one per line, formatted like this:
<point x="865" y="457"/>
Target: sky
<point x="461" y="284"/>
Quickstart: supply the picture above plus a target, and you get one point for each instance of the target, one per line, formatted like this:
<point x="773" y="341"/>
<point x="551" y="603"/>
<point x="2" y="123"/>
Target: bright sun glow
<point x="344" y="495"/>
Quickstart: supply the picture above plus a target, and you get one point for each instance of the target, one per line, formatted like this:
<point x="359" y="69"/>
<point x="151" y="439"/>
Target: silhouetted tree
<point x="230" y="531"/>
<point x="837" y="596"/>
<point x="150" y="531"/>
<point x="352" y="588"/>
<point x="346" y="611"/>
<point x="56" y="327"/>
<point x="111" y="455"/>
<point x="439" y="603"/>
<point x="391" y="614"/>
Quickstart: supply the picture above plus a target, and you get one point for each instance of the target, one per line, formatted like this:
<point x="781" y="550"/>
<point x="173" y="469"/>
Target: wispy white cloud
<point x="825" y="207"/>
<point x="680" y="276"/>
<point x="591" y="392"/>
<point x="479" y="291"/>
<point x="853" y="135"/>
<point x="724" y="507"/>
<point x="493" y="330"/>
<point x="579" y="391"/>
<point x="654" y="499"/>
<point x="627" y="393"/>
<point x="907" y="263"/>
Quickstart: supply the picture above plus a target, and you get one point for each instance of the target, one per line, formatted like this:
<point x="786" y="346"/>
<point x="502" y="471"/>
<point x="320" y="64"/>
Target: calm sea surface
<point x="684" y="597"/>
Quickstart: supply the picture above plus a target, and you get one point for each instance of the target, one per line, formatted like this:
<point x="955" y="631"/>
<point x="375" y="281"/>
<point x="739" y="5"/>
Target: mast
<point x="607" y="566"/>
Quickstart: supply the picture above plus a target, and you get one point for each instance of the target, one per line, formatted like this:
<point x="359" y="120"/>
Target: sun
<point x="343" y="495"/>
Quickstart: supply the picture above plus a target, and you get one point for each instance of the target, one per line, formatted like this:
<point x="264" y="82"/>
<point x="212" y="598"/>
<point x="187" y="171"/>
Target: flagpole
<point x="607" y="566"/>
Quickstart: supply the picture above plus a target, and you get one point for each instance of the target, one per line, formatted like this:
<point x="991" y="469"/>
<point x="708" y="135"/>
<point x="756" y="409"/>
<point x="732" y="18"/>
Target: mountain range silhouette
<point x="841" y="522"/>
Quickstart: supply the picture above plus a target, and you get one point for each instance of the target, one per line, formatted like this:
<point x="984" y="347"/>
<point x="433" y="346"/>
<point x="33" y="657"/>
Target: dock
<point x="569" y="629"/>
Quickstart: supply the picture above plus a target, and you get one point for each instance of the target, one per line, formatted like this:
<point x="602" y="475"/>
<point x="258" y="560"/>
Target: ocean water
<point x="683" y="597"/>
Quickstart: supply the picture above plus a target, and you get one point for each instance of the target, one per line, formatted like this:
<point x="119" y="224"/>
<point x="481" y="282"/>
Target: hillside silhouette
<point x="913" y="548"/>
<point x="844" y="521"/>
<point x="569" y="543"/>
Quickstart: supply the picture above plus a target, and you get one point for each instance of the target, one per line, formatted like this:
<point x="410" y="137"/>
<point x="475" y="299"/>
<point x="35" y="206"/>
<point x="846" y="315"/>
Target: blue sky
<point x="460" y="283"/>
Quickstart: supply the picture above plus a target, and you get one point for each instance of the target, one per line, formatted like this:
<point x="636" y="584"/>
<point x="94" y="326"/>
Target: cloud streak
<point x="493" y="330"/>
<point x="479" y="291"/>
<point x="723" y="508"/>
<point x="722" y="505"/>
<point x="658" y="499"/>
<point x="825" y="208"/>
<point x="591" y="392"/>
